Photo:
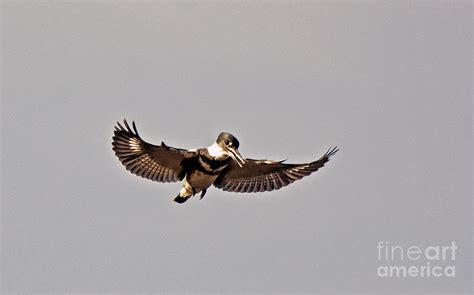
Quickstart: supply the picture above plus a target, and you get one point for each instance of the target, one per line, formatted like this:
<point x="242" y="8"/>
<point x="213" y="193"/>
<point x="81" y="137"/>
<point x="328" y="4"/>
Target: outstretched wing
<point x="159" y="163"/>
<point x="263" y="175"/>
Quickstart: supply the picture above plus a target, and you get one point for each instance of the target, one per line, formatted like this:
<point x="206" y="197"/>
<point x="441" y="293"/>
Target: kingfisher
<point x="220" y="164"/>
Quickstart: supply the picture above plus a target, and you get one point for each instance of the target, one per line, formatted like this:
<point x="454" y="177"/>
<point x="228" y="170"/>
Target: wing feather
<point x="159" y="163"/>
<point x="265" y="175"/>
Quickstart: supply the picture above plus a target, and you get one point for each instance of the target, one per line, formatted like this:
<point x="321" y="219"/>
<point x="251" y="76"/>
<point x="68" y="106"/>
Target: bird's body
<point x="203" y="174"/>
<point x="220" y="165"/>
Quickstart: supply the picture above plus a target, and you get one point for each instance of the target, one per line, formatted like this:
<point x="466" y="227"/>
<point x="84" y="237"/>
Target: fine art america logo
<point x="432" y="261"/>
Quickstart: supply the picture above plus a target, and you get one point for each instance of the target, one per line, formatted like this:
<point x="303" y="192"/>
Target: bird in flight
<point x="220" y="165"/>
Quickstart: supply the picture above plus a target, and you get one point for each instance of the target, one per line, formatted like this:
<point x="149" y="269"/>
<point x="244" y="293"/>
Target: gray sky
<point x="390" y="83"/>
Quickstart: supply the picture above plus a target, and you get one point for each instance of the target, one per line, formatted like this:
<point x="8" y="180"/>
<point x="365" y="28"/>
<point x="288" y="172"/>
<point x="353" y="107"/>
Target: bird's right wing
<point x="159" y="163"/>
<point x="265" y="175"/>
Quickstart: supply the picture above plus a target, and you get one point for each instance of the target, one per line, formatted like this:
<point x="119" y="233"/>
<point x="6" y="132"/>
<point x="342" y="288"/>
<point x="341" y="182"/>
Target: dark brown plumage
<point x="159" y="163"/>
<point x="220" y="165"/>
<point x="264" y="175"/>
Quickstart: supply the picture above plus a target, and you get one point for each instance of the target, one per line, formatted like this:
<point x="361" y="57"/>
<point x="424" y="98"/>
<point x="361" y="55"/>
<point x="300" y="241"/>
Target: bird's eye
<point x="226" y="142"/>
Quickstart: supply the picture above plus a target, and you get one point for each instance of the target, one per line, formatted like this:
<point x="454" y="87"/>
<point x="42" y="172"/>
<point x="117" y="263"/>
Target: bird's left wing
<point x="265" y="175"/>
<point x="159" y="163"/>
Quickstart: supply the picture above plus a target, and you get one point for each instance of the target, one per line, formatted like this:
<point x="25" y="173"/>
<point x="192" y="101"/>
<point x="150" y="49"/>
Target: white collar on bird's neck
<point x="215" y="150"/>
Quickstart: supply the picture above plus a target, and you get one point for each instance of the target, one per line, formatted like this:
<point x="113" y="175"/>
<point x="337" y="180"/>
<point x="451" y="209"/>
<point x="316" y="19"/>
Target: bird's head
<point x="230" y="146"/>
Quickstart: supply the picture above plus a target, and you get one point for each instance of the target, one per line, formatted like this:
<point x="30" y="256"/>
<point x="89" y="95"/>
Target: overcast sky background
<point x="390" y="83"/>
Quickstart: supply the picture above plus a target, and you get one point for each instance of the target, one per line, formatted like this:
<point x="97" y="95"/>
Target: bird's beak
<point x="235" y="155"/>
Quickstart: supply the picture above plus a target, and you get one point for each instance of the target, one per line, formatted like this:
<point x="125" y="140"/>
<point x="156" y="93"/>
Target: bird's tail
<point x="180" y="199"/>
